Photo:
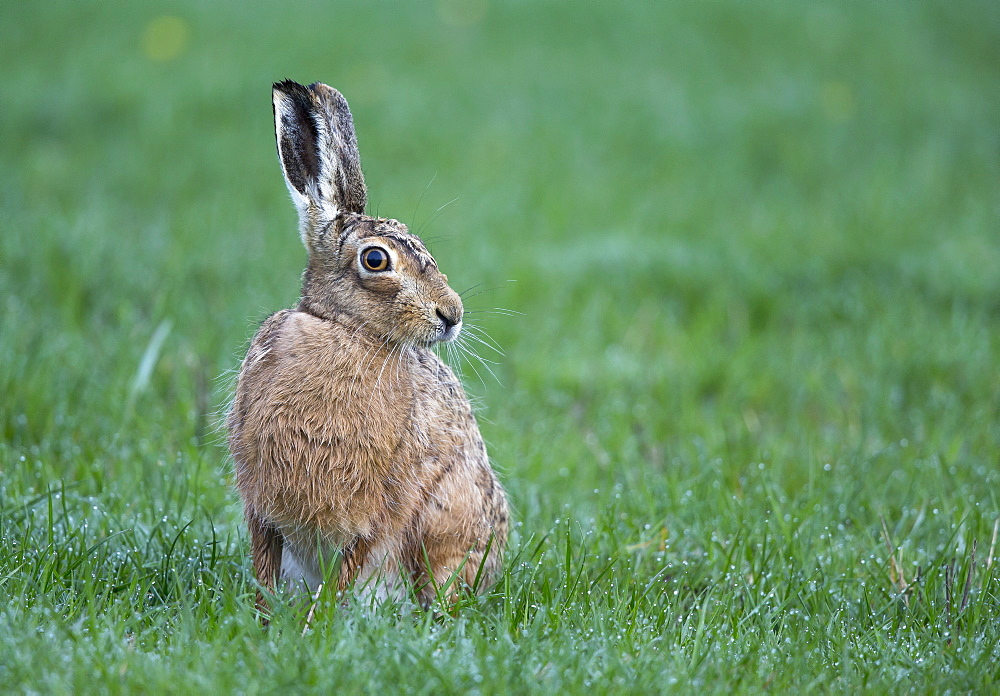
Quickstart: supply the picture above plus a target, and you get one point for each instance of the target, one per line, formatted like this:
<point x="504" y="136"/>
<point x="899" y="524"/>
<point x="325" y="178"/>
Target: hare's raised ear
<point x="319" y="155"/>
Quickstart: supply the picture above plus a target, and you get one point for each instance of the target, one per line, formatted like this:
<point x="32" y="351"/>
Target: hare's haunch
<point x="350" y="437"/>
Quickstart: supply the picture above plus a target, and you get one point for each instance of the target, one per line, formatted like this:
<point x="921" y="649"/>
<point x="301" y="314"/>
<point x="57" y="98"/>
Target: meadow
<point x="742" y="261"/>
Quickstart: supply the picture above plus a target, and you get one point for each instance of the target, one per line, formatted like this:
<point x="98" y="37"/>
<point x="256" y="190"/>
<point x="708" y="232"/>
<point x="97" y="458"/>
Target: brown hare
<point x="351" y="439"/>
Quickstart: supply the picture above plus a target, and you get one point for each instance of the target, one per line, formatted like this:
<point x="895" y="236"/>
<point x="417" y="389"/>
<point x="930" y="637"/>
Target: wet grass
<point x="750" y="416"/>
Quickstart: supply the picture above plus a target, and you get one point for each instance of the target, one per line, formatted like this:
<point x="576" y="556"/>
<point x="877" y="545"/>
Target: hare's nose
<point x="450" y="318"/>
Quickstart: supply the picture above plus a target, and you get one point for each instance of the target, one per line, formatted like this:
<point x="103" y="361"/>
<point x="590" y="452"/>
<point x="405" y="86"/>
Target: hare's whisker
<point x="472" y="350"/>
<point x="482" y="361"/>
<point x="473" y="367"/>
<point x="496" y="310"/>
<point x="486" y="364"/>
<point x="480" y="336"/>
<point x="421" y="199"/>
<point x="476" y="294"/>
<point x="435" y="216"/>
<point x="489" y="289"/>
<point x="471" y="288"/>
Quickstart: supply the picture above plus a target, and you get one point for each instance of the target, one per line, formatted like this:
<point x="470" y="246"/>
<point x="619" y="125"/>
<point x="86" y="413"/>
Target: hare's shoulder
<point x="253" y="376"/>
<point x="263" y="341"/>
<point x="288" y="345"/>
<point x="292" y="334"/>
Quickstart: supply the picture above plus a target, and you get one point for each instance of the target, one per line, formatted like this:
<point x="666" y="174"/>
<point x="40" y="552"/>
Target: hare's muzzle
<point x="450" y="322"/>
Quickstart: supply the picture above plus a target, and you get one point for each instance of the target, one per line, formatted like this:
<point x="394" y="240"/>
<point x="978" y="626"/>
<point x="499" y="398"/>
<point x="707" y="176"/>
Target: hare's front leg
<point x="266" y="544"/>
<point x="463" y="534"/>
<point x="458" y="565"/>
<point x="461" y="550"/>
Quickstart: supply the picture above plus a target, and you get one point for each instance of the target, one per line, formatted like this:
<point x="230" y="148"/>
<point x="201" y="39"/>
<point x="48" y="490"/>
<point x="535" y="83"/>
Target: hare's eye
<point x="375" y="259"/>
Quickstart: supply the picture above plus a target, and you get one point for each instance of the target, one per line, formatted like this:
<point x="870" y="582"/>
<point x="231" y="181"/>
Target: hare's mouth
<point x="450" y="332"/>
<point x="448" y="328"/>
<point x="437" y="333"/>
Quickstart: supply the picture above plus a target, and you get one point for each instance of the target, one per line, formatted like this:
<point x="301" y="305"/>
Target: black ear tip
<point x="289" y="87"/>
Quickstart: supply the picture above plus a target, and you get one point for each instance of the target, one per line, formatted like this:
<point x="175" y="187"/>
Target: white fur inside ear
<point x="301" y="202"/>
<point x="311" y="193"/>
<point x="284" y="114"/>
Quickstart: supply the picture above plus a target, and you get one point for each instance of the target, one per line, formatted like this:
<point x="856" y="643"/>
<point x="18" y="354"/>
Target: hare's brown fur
<point x="350" y="437"/>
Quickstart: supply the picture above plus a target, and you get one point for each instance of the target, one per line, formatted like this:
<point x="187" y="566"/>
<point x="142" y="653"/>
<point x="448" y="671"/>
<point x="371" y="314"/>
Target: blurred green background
<point x="755" y="249"/>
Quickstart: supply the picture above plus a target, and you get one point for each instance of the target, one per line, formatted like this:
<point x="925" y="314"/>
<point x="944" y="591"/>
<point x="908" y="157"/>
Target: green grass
<point x="757" y="252"/>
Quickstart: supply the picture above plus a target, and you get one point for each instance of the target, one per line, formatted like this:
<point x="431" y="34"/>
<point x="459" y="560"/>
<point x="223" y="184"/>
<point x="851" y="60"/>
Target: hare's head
<point x="371" y="270"/>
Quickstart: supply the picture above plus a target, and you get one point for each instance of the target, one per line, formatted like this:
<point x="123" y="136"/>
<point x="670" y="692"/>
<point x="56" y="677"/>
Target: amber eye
<point x="375" y="259"/>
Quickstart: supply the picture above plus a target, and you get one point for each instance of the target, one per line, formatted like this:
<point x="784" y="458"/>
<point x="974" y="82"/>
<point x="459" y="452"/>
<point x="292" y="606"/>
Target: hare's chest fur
<point x="339" y="436"/>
